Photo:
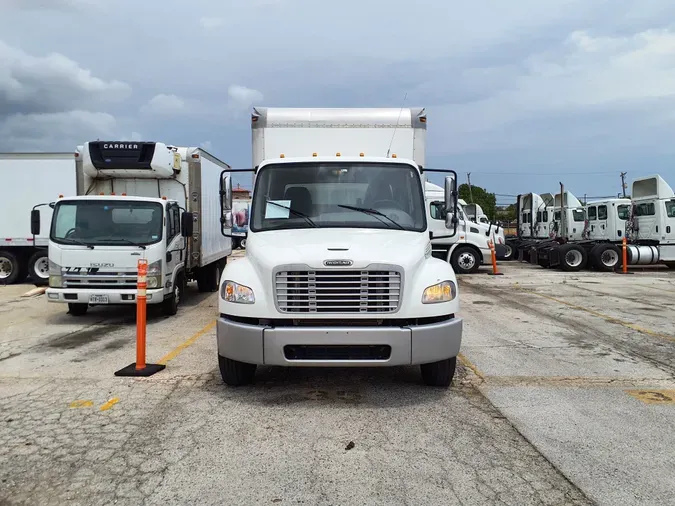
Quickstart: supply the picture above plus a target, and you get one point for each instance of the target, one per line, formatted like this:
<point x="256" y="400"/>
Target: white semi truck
<point x="339" y="270"/>
<point x="136" y="200"/>
<point x="652" y="222"/>
<point x="469" y="248"/>
<point x="29" y="179"/>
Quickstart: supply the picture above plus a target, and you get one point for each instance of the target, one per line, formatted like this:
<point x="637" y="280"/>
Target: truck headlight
<point x="55" y="275"/>
<point x="154" y="278"/>
<point x="234" y="292"/>
<point x="440" y="292"/>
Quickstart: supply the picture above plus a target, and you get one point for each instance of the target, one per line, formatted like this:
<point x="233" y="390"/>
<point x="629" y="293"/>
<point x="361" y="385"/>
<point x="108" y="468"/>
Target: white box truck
<point x="137" y="200"/>
<point x="29" y="179"/>
<point x="339" y="270"/>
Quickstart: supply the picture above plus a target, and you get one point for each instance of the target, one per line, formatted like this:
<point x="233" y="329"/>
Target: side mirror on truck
<point x="225" y="202"/>
<point x="35" y="222"/>
<point x="451" y="219"/>
<point x="186" y="224"/>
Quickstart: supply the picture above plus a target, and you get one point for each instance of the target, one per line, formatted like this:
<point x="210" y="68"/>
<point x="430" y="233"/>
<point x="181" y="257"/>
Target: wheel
<point x="242" y="243"/>
<point x="10" y="268"/>
<point x="236" y="373"/>
<point x="170" y="304"/>
<point x="509" y="252"/>
<point x="605" y="257"/>
<point x="572" y="257"/>
<point x="208" y="277"/>
<point x="465" y="260"/>
<point x="77" y="309"/>
<point x="38" y="268"/>
<point x="439" y="374"/>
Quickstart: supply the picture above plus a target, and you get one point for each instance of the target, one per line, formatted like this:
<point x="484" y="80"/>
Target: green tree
<point x="506" y="213"/>
<point x="487" y="201"/>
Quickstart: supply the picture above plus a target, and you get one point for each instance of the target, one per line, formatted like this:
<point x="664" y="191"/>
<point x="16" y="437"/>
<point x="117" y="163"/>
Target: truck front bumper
<point x="100" y="297"/>
<point x="338" y="346"/>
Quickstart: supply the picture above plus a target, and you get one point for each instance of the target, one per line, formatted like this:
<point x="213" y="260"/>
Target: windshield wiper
<point x="68" y="240"/>
<point x="372" y="212"/>
<point x="122" y="239"/>
<point x="293" y="211"/>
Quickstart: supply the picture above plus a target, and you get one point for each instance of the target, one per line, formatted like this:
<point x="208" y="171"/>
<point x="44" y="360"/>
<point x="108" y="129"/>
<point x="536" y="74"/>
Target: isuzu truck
<point x="338" y="269"/>
<point x="136" y="200"/>
<point x="29" y="179"/>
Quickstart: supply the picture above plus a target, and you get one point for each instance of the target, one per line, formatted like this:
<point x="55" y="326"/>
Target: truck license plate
<point x="98" y="299"/>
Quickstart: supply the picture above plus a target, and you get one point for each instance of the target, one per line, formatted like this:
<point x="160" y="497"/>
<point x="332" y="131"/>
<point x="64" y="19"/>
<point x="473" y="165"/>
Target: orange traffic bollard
<point x="140" y="368"/>
<point x="624" y="256"/>
<point x="493" y="254"/>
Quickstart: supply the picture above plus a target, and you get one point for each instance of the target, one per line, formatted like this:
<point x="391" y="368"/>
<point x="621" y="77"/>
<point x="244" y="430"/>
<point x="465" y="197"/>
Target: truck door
<point x="593" y="221"/>
<point x="648" y="225"/>
<point x="601" y="224"/>
<point x="669" y="222"/>
<point x="622" y="215"/>
<point x="175" y="244"/>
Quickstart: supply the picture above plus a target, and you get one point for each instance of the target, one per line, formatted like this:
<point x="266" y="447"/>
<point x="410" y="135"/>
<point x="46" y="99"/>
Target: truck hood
<point x="312" y="247"/>
<point x="105" y="258"/>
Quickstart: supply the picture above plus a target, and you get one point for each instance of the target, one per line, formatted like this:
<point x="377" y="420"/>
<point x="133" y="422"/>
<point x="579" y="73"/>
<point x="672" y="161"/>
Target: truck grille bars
<point x="100" y="280"/>
<point x="338" y="291"/>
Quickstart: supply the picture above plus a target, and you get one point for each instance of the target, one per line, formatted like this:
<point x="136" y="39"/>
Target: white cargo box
<point x="301" y="132"/>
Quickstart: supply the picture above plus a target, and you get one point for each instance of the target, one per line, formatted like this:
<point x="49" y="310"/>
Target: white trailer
<point x="29" y="179"/>
<point x="339" y="270"/>
<point x="137" y="200"/>
<point x="467" y="250"/>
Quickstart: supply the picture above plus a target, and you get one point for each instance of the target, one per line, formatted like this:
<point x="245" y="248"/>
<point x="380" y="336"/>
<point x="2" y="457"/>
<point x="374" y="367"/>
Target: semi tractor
<point x="591" y="235"/>
<point x="29" y="179"/>
<point x="469" y="248"/>
<point x="136" y="200"/>
<point x="339" y="268"/>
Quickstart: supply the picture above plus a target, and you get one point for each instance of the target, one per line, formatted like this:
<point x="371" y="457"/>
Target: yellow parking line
<point x="81" y="404"/>
<point x="468" y="364"/>
<point x="176" y="351"/>
<point x="109" y="404"/>
<point x="610" y="319"/>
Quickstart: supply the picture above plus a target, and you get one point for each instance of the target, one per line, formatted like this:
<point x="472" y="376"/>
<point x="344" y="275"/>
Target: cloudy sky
<point x="522" y="94"/>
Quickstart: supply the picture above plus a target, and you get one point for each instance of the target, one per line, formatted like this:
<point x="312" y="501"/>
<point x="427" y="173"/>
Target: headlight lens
<point x="154" y="278"/>
<point x="55" y="275"/>
<point x="440" y="292"/>
<point x="234" y="292"/>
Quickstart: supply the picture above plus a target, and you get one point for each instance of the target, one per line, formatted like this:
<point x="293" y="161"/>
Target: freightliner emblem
<point x="337" y="263"/>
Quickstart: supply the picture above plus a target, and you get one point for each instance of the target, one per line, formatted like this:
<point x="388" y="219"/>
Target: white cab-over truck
<point x="29" y="179"/>
<point x="136" y="200"/>
<point x="338" y="269"/>
<point x="467" y="250"/>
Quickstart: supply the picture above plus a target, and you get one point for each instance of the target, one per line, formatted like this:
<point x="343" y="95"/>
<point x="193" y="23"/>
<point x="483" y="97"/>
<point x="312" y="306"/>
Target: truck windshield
<point x="107" y="222"/>
<point x="338" y="194"/>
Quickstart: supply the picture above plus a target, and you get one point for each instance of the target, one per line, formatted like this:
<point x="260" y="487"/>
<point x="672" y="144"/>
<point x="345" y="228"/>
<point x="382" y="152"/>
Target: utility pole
<point x="623" y="183"/>
<point x="468" y="178"/>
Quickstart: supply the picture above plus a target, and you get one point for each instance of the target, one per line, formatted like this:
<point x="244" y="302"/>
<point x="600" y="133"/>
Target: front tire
<point x="465" y="260"/>
<point x="38" y="268"/>
<point x="77" y="309"/>
<point x="439" y="374"/>
<point x="236" y="373"/>
<point x="170" y="304"/>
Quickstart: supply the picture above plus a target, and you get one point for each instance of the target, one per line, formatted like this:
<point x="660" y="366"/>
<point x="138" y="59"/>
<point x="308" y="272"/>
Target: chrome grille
<point x="115" y="280"/>
<point x="338" y="291"/>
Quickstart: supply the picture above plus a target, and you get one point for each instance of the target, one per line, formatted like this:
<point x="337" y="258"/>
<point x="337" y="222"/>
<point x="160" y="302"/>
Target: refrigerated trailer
<point x="29" y="179"/>
<point x="136" y="200"/>
<point x="339" y="268"/>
